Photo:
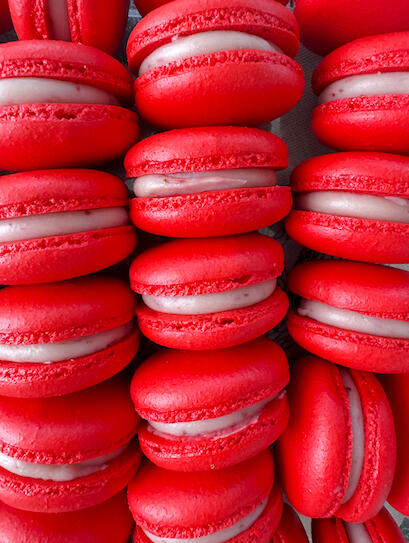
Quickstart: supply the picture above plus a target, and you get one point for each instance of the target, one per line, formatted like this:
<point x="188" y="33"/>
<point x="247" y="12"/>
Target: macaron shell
<point x="329" y="529"/>
<point x="383" y="526"/>
<point x="215" y="330"/>
<point x="91" y="525"/>
<point x="290" y="529"/>
<point x="145" y="6"/>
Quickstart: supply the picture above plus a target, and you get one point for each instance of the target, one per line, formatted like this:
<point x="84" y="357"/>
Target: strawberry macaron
<point x="380" y="529"/>
<point x="353" y="205"/>
<point x="109" y="522"/>
<point x="61" y="105"/>
<point x="210" y="293"/>
<point x="61" y="337"/>
<point x="290" y="529"/>
<point x="59" y="224"/>
<point x="338" y="453"/>
<point x="87" y="22"/>
<point x="145" y="6"/>
<point x="215" y="62"/>
<point x="212" y="412"/>
<point x="363" y="90"/>
<point x="354" y="314"/>
<point x="67" y="453"/>
<point x="214" y="181"/>
<point x="237" y="504"/>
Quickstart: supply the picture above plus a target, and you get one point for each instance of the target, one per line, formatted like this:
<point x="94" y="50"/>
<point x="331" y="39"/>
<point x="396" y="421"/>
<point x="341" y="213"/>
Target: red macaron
<point x="109" y="522"/>
<point x="324" y="25"/>
<point x="290" y="529"/>
<point x="209" y="293"/>
<point x="67" y="453"/>
<point x="204" y="413"/>
<point x="236" y="505"/>
<point x="213" y="181"/>
<point x="87" y="22"/>
<point x="353" y="205"/>
<point x="61" y="106"/>
<point x="145" y="6"/>
<point x="338" y="453"/>
<point x="61" y="337"/>
<point x="59" y="224"/>
<point x="215" y="62"/>
<point x="380" y="529"/>
<point x="354" y="314"/>
<point x="363" y="92"/>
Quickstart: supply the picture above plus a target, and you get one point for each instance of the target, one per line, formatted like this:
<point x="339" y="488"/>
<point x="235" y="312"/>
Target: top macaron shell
<point x="88" y="22"/>
<point x="361" y="239"/>
<point x="372" y="290"/>
<point x="189" y="267"/>
<point x="145" y="6"/>
<point x="246" y="86"/>
<point x="53" y="135"/>
<point x="61" y="256"/>
<point x="210" y="213"/>
<point x="364" y="123"/>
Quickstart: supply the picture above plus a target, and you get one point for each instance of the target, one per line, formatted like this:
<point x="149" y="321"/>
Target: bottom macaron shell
<point x="215" y="213"/>
<point x="352" y="349"/>
<point x="357" y="239"/>
<point x="29" y="380"/>
<point x="43" y="496"/>
<point x="57" y="258"/>
<point x="200" y="453"/>
<point x="261" y="531"/>
<point x="214" y="330"/>
<point x="40" y="136"/>
<point x="375" y="123"/>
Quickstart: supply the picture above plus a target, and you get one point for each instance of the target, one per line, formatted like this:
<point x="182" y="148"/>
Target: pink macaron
<point x="61" y="105"/>
<point x="62" y="337"/>
<point x="354" y="314"/>
<point x="338" y="453"/>
<point x="363" y="90"/>
<point x="217" y="62"/>
<point x="59" y="224"/>
<point x="67" y="453"/>
<point x="290" y="529"/>
<point x="109" y="522"/>
<point x="204" y="413"/>
<point x="380" y="529"/>
<point x="90" y="23"/>
<point x="202" y="182"/>
<point x="236" y="505"/>
<point x="209" y="293"/>
<point x="353" y="205"/>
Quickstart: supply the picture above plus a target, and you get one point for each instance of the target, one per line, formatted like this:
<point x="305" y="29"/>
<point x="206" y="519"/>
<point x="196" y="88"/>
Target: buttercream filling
<point x="151" y="186"/>
<point x="57" y="11"/>
<point x="38" y="90"/>
<point x="47" y="353"/>
<point x="58" y="472"/>
<point x="61" y="223"/>
<point x="204" y="43"/>
<point x="358" y="433"/>
<point x="357" y="533"/>
<point x="201" y="304"/>
<point x="378" y="84"/>
<point x="217" y="537"/>
<point x="232" y="422"/>
<point x="364" y="206"/>
<point x="354" y="321"/>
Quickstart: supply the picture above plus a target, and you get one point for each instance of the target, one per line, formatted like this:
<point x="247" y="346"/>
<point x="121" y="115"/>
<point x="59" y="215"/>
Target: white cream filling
<point x="365" y="206"/>
<point x="357" y="533"/>
<point x="33" y="90"/>
<point x="159" y="185"/>
<point x="204" y="43"/>
<point x="218" y="537"/>
<point x="233" y="421"/>
<point x="61" y="223"/>
<point x="358" y="433"/>
<point x="59" y="20"/>
<point x="378" y="84"/>
<point x="58" y="472"/>
<point x="47" y="353"/>
<point x="201" y="304"/>
<point x="352" y="320"/>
